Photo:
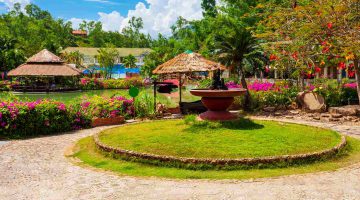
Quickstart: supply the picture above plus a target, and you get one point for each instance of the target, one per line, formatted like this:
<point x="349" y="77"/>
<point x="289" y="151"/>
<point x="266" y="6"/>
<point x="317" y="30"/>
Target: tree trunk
<point x="247" y="102"/>
<point x="357" y="75"/>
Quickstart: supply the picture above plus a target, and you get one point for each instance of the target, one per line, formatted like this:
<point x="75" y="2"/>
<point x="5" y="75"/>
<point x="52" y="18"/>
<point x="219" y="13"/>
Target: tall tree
<point x="209" y="8"/>
<point x="324" y="33"/>
<point x="235" y="46"/>
<point x="107" y="58"/>
<point x="10" y="55"/>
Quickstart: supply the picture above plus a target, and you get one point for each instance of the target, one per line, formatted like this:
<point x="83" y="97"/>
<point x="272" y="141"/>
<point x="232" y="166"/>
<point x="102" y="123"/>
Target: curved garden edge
<point x="206" y="163"/>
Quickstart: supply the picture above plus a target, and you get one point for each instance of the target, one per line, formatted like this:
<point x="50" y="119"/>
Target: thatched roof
<point x="44" y="56"/>
<point x="44" y="63"/>
<point x="188" y="62"/>
<point x="87" y="51"/>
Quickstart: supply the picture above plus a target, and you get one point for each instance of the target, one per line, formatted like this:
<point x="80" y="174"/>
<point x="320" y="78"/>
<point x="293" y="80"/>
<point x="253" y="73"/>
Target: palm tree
<point x="74" y="57"/>
<point x="129" y="61"/>
<point x="236" y="47"/>
<point x="107" y="58"/>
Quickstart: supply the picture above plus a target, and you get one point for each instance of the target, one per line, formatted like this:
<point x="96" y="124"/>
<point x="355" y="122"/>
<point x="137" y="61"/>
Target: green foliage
<point x="209" y="8"/>
<point x="107" y="58"/>
<point x="74" y="57"/>
<point x="205" y="83"/>
<point x="95" y="84"/>
<point x="281" y="98"/>
<point x="129" y="61"/>
<point x="144" y="105"/>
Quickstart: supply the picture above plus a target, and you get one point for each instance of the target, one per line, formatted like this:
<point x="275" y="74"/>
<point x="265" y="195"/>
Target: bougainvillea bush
<point x="96" y="84"/>
<point x="18" y="119"/>
<point x="104" y="107"/>
<point x="41" y="117"/>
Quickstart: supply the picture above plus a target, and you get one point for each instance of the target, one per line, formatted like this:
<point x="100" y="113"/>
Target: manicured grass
<point x="240" y="139"/>
<point x="86" y="151"/>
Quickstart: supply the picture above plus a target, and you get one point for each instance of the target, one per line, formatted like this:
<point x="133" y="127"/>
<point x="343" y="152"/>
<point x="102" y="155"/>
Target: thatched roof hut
<point x="188" y="62"/>
<point x="43" y="64"/>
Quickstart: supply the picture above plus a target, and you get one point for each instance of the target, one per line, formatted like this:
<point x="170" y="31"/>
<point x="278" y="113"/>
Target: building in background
<point x="119" y="71"/>
<point x="80" y="33"/>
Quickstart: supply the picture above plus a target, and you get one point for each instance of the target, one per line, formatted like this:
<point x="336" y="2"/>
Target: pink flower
<point x="85" y="104"/>
<point x="62" y="107"/>
<point x="350" y="85"/>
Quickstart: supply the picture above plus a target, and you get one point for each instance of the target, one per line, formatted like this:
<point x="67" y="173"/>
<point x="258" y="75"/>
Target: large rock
<point x="311" y="102"/>
<point x="350" y="110"/>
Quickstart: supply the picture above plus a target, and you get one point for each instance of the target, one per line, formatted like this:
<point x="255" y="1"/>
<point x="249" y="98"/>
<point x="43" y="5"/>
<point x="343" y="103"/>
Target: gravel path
<point x="37" y="169"/>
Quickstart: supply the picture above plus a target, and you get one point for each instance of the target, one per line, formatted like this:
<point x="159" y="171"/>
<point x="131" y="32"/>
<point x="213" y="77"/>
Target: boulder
<point x="311" y="102"/>
<point x="269" y="109"/>
<point x="350" y="110"/>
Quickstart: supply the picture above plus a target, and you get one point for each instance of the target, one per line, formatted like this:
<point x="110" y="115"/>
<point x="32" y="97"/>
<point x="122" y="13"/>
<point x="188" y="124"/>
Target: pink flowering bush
<point x="232" y="85"/>
<point x="19" y="119"/>
<point x="104" y="107"/>
<point x="91" y="84"/>
<point x="261" y="86"/>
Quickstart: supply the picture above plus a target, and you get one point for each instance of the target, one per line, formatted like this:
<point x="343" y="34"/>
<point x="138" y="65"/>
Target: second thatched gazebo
<point x="187" y="62"/>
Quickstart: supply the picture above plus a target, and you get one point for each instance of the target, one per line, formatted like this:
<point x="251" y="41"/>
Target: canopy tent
<point x="187" y="62"/>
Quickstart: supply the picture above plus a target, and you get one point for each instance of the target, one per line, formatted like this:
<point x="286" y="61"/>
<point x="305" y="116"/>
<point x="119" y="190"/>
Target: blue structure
<point x="118" y="71"/>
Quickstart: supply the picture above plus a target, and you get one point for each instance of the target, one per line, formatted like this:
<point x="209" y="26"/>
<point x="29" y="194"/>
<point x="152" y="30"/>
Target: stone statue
<point x="218" y="83"/>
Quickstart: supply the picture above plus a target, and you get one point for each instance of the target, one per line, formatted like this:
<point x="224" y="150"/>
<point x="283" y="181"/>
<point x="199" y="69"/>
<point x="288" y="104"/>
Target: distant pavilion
<point x="45" y="72"/>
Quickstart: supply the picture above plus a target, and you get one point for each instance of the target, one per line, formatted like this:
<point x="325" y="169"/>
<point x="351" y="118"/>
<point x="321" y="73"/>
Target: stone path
<point x="37" y="169"/>
<point x="3" y="143"/>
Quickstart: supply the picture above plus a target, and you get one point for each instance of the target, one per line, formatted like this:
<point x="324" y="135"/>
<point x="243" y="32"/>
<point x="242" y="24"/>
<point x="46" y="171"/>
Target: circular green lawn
<point x="239" y="139"/>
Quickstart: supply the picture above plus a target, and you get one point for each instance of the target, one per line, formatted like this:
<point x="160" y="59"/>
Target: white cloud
<point x="111" y="21"/>
<point x="76" y="22"/>
<point x="10" y="3"/>
<point x="158" y="17"/>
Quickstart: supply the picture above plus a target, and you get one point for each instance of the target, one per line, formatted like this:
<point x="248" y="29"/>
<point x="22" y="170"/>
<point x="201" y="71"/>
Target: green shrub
<point x="95" y="84"/>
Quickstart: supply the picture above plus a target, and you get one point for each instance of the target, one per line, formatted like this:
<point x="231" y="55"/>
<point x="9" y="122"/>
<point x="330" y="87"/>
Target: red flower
<point x="351" y="74"/>
<point x="329" y="25"/>
<point x="325" y="49"/>
<point x="342" y="65"/>
<point x="295" y="55"/>
<point x="273" y="57"/>
<point x="317" y="69"/>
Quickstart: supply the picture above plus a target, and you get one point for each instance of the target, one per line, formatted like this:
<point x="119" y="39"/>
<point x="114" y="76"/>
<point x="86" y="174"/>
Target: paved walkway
<point x="37" y="169"/>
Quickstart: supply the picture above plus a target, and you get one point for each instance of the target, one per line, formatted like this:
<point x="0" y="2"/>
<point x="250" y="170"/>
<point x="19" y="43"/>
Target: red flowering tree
<point x="318" y="33"/>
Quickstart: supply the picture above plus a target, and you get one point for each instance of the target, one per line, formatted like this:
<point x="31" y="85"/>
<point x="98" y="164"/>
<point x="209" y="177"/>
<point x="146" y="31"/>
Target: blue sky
<point x="86" y="9"/>
<point x="158" y="15"/>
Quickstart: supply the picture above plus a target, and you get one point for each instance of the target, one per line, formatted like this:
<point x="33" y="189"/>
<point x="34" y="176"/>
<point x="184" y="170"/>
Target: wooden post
<point x="155" y="97"/>
<point x="326" y="72"/>
<point x="180" y="95"/>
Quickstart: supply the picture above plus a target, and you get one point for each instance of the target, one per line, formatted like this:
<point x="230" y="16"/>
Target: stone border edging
<point x="247" y="162"/>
